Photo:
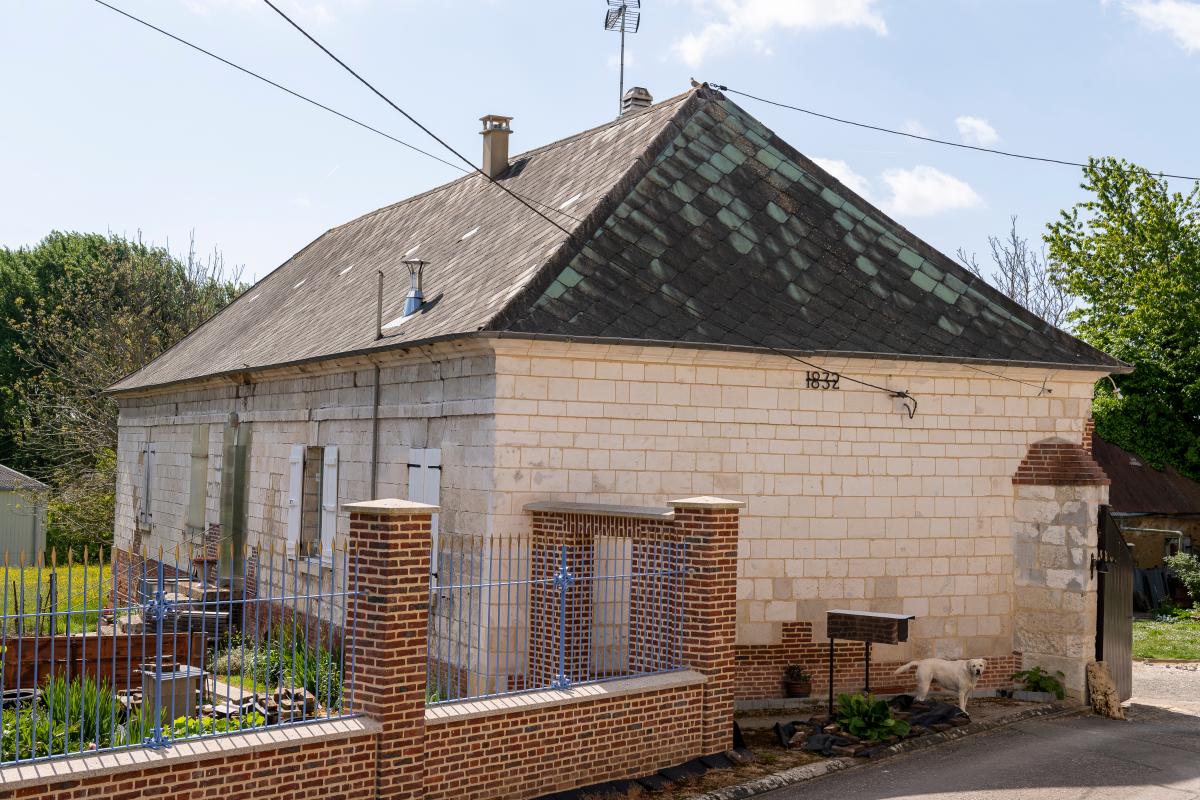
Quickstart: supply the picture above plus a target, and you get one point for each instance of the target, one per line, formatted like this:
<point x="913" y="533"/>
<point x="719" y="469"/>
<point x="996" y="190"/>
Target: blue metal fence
<point x="103" y="654"/>
<point x="508" y="614"/>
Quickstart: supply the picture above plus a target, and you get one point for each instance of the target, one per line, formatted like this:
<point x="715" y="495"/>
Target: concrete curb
<point x="809" y="771"/>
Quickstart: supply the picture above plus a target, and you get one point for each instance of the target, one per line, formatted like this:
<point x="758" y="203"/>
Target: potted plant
<point x="1038" y="685"/>
<point x="797" y="682"/>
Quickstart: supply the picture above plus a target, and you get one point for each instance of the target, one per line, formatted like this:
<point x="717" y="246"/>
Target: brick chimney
<point x="495" y="144"/>
<point x="636" y="99"/>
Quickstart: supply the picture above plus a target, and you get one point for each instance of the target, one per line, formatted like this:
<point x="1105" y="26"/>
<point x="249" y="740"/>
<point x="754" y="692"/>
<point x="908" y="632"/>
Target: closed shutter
<point x="148" y="459"/>
<point x="425" y="486"/>
<point x="329" y="494"/>
<point x="295" y="490"/>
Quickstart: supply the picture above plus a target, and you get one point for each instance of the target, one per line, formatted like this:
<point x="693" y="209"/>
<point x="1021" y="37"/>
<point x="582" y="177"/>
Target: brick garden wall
<point x="339" y="768"/>
<point x="760" y="668"/>
<point x="528" y="753"/>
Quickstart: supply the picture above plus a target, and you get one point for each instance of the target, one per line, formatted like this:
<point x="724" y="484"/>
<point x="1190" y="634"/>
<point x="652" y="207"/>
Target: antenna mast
<point x="623" y="16"/>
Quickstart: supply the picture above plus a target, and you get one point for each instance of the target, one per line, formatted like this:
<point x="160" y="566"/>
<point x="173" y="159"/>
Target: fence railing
<point x="115" y="650"/>
<point x="510" y="615"/>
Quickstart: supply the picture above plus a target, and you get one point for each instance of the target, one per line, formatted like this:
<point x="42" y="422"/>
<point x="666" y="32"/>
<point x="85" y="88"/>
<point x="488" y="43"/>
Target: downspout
<point x="375" y="437"/>
<point x="375" y="393"/>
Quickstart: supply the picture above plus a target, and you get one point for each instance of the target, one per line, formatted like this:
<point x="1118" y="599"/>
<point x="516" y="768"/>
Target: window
<point x="425" y="486"/>
<point x="148" y="459"/>
<point x="198" y="480"/>
<point x="312" y="500"/>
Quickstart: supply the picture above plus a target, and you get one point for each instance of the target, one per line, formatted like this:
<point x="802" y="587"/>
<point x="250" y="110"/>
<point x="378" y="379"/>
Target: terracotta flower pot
<point x="797" y="688"/>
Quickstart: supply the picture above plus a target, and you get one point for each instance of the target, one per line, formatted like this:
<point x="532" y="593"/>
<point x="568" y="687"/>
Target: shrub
<point x="868" y="718"/>
<point x="1187" y="568"/>
<point x="796" y="673"/>
<point x="1036" y="679"/>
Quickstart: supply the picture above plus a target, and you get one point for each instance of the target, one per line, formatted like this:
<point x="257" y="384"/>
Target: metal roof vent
<point x="636" y="99"/>
<point x="496" y="130"/>
<point x="415" y="298"/>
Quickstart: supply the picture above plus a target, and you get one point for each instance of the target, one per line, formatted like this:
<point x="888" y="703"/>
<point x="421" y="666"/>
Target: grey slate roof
<point x="690" y="222"/>
<point x="11" y="479"/>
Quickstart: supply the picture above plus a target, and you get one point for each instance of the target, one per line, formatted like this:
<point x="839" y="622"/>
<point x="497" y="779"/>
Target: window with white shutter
<point x="149" y="457"/>
<point x="425" y="486"/>
<point x="312" y="500"/>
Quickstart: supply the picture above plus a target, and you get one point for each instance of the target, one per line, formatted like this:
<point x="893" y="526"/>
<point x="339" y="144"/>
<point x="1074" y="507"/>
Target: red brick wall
<point x="1057" y="462"/>
<point x="760" y="667"/>
<point x="335" y="769"/>
<point x="524" y="754"/>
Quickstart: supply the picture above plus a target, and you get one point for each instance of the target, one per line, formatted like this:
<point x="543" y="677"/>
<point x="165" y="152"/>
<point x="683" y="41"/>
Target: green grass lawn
<point x="78" y="588"/>
<point x="1166" y="639"/>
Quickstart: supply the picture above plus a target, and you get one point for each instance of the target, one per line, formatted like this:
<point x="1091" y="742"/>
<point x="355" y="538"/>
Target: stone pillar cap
<point x="705" y="502"/>
<point x="390" y="505"/>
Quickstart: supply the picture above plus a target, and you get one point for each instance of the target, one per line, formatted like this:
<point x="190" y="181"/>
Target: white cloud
<point x="750" y="21"/>
<point x="1178" y="19"/>
<point x="915" y="128"/>
<point x="924" y="191"/>
<point x="976" y="130"/>
<point x="844" y="173"/>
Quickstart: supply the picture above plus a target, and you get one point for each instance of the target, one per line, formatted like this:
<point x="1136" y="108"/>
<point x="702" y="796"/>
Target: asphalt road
<point x="1155" y="755"/>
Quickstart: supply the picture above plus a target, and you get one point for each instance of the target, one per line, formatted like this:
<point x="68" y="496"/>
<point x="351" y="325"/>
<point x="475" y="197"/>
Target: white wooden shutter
<point x="295" y="508"/>
<point x="149" y="454"/>
<point x="329" y="502"/>
<point x="425" y="486"/>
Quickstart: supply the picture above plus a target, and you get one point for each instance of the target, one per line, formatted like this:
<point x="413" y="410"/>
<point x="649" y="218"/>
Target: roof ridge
<point x="512" y="159"/>
<point x="689" y="102"/>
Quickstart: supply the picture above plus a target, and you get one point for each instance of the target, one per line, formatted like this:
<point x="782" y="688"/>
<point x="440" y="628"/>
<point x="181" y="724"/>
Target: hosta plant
<point x="868" y="718"/>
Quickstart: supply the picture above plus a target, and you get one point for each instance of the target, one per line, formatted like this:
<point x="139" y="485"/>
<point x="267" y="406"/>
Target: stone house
<point x="698" y="309"/>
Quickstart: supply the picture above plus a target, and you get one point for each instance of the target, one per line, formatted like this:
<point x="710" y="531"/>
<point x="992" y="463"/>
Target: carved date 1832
<point x="816" y="379"/>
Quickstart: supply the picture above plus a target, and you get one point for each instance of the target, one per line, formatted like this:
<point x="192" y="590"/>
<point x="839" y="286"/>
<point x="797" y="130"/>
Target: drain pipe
<point x="375" y="392"/>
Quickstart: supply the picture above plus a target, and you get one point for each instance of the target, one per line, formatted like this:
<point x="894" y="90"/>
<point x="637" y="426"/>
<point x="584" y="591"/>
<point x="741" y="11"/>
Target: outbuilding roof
<point x="1138" y="488"/>
<point x="10" y="479"/>
<point x="687" y="223"/>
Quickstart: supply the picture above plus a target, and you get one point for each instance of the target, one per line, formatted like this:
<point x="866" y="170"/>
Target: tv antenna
<point x="623" y="16"/>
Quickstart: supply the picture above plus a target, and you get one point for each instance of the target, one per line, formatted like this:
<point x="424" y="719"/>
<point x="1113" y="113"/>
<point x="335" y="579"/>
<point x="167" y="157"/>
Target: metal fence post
<point x="157" y="739"/>
<point x="563" y="581"/>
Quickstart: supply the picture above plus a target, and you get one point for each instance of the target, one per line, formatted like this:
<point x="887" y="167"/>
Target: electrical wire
<point x="902" y="394"/>
<point x="931" y="139"/>
<point x="414" y="120"/>
<point x="1041" y="389"/>
<point x="528" y="202"/>
<point x="270" y="82"/>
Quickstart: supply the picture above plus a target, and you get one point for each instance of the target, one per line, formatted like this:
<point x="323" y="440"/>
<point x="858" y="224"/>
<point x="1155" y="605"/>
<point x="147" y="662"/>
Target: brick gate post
<point x="709" y="527"/>
<point x="390" y="616"/>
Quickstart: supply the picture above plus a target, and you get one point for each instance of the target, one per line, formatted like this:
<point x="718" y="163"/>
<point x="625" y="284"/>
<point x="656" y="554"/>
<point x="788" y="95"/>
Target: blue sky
<point x="111" y="127"/>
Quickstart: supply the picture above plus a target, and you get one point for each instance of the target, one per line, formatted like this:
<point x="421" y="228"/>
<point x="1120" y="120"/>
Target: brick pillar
<point x="709" y="527"/>
<point x="560" y="654"/>
<point x="390" y="542"/>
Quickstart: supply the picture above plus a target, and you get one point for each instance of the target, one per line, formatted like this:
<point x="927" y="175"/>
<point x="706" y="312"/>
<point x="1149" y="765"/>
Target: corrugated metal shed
<point x="1138" y="488"/>
<point x="22" y="513"/>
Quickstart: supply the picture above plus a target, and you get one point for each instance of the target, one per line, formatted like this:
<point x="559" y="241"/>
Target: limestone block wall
<point x="433" y="397"/>
<point x="849" y="502"/>
<point x="1058" y="491"/>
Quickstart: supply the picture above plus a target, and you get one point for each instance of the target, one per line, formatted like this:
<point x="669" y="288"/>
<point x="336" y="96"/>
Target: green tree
<point x="100" y="308"/>
<point x="1131" y="253"/>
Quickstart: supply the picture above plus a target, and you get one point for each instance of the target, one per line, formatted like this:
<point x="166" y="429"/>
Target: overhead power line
<point x="947" y="143"/>
<point x="897" y="394"/>
<point x="525" y="201"/>
<point x="270" y="82"/>
<point x="415" y="121"/>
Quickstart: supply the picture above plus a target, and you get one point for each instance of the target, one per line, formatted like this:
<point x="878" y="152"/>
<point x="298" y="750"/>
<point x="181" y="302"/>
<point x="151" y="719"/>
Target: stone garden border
<point x="807" y="772"/>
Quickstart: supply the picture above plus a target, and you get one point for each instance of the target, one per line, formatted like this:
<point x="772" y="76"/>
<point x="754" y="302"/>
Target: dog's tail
<point x="905" y="668"/>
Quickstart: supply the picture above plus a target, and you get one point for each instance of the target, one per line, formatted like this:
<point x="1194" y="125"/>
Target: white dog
<point x="953" y="676"/>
